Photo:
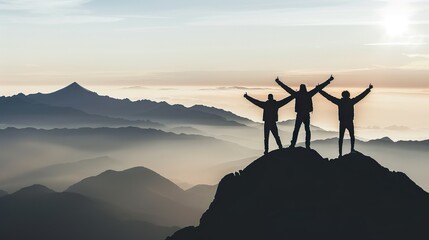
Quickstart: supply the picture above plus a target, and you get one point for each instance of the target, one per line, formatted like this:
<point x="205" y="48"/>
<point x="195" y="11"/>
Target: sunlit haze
<point x="396" y="19"/>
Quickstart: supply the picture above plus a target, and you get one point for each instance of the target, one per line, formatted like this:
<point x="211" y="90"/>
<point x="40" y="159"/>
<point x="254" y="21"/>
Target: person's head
<point x="270" y="97"/>
<point x="345" y="94"/>
<point x="303" y="88"/>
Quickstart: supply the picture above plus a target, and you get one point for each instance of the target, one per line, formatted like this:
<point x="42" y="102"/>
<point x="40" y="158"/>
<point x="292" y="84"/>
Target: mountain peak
<point x="135" y="172"/>
<point x="141" y="190"/>
<point x="33" y="190"/>
<point x="140" y="177"/>
<point x="384" y="139"/>
<point x="295" y="193"/>
<point x="74" y="85"/>
<point x="74" y="89"/>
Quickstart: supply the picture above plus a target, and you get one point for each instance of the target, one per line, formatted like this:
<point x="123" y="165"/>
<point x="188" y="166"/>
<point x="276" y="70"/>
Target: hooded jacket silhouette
<point x="303" y="107"/>
<point x="346" y="113"/>
<point x="270" y="116"/>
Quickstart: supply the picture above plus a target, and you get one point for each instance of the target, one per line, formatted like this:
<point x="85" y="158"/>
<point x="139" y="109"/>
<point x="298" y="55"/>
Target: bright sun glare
<point x="396" y="20"/>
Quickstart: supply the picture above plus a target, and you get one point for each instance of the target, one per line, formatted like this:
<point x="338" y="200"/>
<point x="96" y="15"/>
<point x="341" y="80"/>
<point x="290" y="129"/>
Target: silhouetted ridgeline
<point x="296" y="194"/>
<point x="36" y="212"/>
<point x="75" y="106"/>
<point x="77" y="97"/>
<point x="147" y="194"/>
<point x="22" y="111"/>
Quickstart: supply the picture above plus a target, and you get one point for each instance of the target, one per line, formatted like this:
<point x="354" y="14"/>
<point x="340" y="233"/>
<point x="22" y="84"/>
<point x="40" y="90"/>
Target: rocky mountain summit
<point x="295" y="194"/>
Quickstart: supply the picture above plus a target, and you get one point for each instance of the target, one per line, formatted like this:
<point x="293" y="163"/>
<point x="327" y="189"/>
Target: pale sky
<point x="218" y="43"/>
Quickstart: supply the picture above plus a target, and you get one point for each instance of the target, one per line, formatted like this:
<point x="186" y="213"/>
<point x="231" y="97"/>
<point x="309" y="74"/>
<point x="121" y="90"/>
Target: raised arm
<point x="321" y="86"/>
<point x="254" y="101"/>
<point x="331" y="98"/>
<point x="285" y="101"/>
<point x="285" y="87"/>
<point x="362" y="95"/>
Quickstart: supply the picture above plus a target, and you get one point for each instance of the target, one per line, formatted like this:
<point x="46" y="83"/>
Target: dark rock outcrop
<point x="297" y="194"/>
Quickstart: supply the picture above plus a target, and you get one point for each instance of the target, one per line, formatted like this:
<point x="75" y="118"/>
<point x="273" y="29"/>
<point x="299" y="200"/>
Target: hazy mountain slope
<point x="181" y="157"/>
<point x="21" y="111"/>
<point x="3" y="193"/>
<point x="186" y="130"/>
<point x="39" y="213"/>
<point x="220" y="112"/>
<point x="291" y="124"/>
<point x="142" y="191"/>
<point x="91" y="138"/>
<point x="32" y="191"/>
<point x="201" y="195"/>
<point x="297" y="194"/>
<point x="60" y="176"/>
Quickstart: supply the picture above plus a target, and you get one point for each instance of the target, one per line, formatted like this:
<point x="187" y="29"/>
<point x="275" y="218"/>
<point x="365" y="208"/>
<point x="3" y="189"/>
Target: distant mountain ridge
<point x="295" y="193"/>
<point x="78" y="97"/>
<point x="291" y="123"/>
<point x="118" y="137"/>
<point x="385" y="141"/>
<point x="220" y="112"/>
<point x="22" y="111"/>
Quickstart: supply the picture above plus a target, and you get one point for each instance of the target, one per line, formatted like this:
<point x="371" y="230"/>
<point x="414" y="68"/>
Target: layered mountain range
<point x="136" y="203"/>
<point x="292" y="193"/>
<point x="76" y="106"/>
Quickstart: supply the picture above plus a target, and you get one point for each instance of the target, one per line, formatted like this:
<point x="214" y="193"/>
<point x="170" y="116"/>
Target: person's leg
<point x="352" y="136"/>
<point x="266" y="137"/>
<point x="307" y="131"/>
<point x="341" y="138"/>
<point x="275" y="132"/>
<point x="298" y="123"/>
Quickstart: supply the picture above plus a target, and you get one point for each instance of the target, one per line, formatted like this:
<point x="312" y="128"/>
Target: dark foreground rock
<point x="297" y="194"/>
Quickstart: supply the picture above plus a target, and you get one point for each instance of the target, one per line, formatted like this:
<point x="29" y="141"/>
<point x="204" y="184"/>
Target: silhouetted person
<point x="303" y="107"/>
<point x="346" y="114"/>
<point x="271" y="108"/>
